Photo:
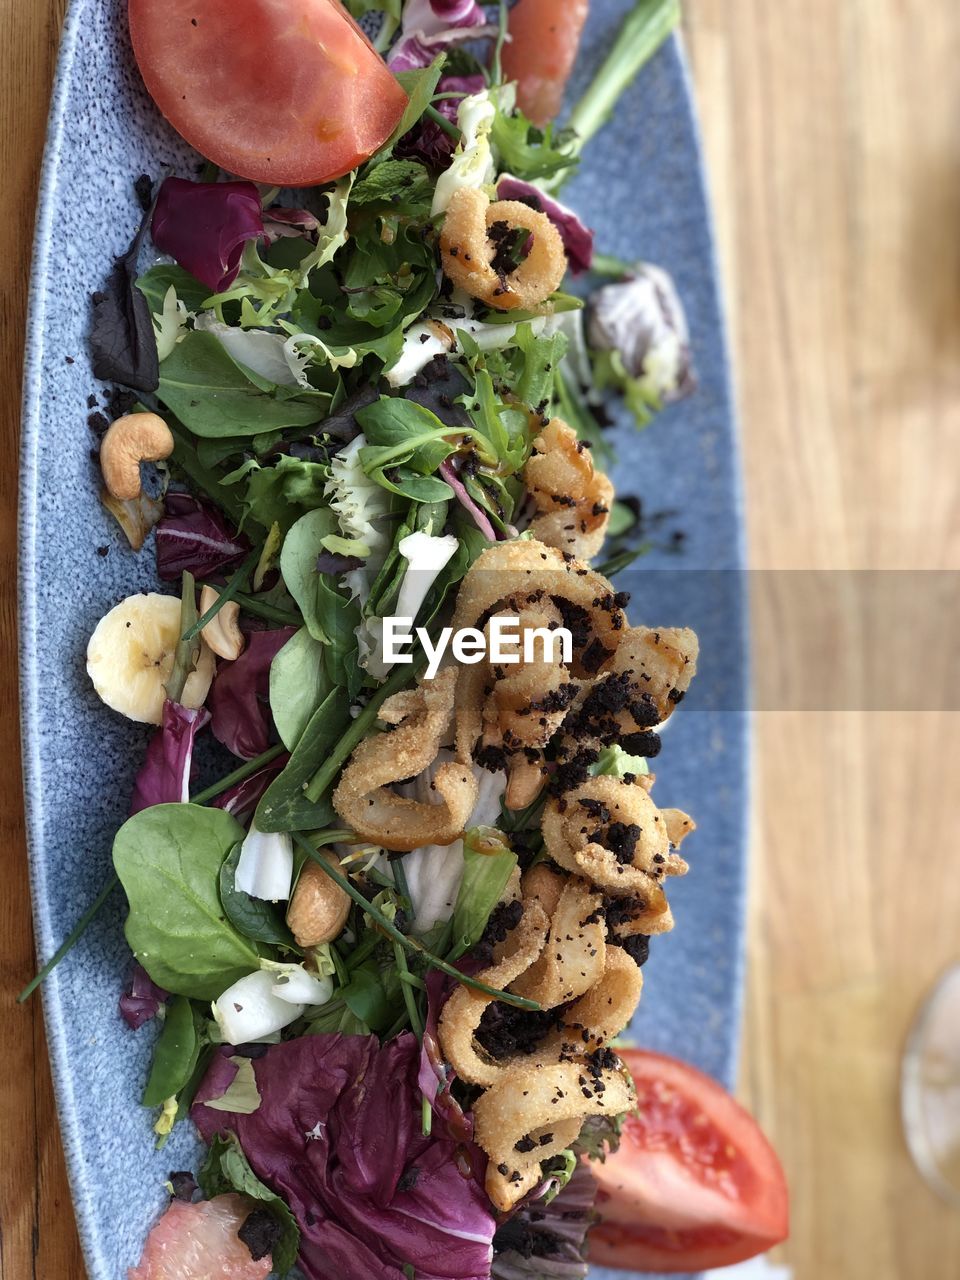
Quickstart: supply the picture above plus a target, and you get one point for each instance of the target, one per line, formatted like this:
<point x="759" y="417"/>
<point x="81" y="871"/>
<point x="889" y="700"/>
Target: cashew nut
<point x="222" y="633"/>
<point x="135" y="438"/>
<point x="319" y="908"/>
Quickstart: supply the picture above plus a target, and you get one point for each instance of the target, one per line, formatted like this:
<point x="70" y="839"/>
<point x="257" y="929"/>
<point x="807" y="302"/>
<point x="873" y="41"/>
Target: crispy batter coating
<point x="573" y="959"/>
<point x="572" y="497"/>
<point x="661" y="661"/>
<point x="529" y="1103"/>
<point x="363" y="798"/>
<point x="461" y="1014"/>
<point x="472" y="245"/>
<point x="612" y="832"/>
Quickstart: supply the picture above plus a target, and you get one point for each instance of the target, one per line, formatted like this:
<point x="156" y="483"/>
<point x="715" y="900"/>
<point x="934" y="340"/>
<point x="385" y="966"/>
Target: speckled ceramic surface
<point x="641" y="187"/>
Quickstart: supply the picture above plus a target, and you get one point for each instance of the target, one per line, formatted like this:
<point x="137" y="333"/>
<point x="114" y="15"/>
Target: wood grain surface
<point x="832" y="130"/>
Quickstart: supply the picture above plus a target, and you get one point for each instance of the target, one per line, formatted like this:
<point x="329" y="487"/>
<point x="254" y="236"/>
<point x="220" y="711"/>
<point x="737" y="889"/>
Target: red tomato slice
<point x="544" y="39"/>
<point x="287" y="92"/>
<point x="695" y="1183"/>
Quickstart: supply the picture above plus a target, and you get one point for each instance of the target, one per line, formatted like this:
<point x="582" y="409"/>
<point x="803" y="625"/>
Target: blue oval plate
<point x="79" y="758"/>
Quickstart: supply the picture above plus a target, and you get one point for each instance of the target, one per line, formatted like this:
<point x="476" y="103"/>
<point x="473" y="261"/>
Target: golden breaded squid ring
<point x="661" y="660"/>
<point x="532" y="1100"/>
<point x="463" y="1011"/>
<point x="573" y="959"/>
<point x="523" y="566"/>
<point x="363" y="799"/>
<point x="604" y="1010"/>
<point x="574" y="828"/>
<point x="572" y="497"/>
<point x="469" y="251"/>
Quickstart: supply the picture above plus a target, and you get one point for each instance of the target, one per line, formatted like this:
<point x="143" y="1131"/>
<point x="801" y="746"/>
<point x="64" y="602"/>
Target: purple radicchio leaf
<point x="547" y="1238"/>
<point x="642" y="320"/>
<point x="164" y="776"/>
<point x="204" y="226"/>
<point x="431" y="143"/>
<point x="142" y="999"/>
<point x="193" y="537"/>
<point x="280" y="223"/>
<point x="431" y="26"/>
<point x="122" y="338"/>
<point x="434" y="1075"/>
<point x="334" y="563"/>
<point x="242" y="799"/>
<point x="338" y="1135"/>
<point x="478" y="517"/>
<point x="577" y="238"/>
<point x="237" y="697"/>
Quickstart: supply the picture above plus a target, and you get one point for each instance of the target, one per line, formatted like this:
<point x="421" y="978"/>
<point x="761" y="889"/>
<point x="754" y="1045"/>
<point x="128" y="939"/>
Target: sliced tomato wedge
<point x="287" y="92"/>
<point x="695" y="1183"/>
<point x="544" y="39"/>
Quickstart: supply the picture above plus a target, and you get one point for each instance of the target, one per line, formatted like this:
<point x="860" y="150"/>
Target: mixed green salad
<point x="389" y="948"/>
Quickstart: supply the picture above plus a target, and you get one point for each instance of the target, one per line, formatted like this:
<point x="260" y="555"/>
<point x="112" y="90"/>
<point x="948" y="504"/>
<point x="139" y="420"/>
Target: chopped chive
<point x="496" y="69"/>
<point x="188" y="648"/>
<point x="238" y="580"/>
<point x="356" y="732"/>
<point x="270" y="612"/>
<point x="71" y="939"/>
<point x="241" y="774"/>
<point x="641" y="34"/>
<point x="605" y="264"/>
<point x="409" y="998"/>
<point x="410" y="944"/>
<point x="441" y="121"/>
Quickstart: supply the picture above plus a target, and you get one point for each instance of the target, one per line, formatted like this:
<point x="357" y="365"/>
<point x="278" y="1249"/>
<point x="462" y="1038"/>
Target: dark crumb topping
<point x="183" y="1186"/>
<point x="574" y="772"/>
<point x="645" y="744"/>
<point x="504" y="918"/>
<point x="637" y="947"/>
<point x="621" y="839"/>
<point x="491" y="757"/>
<point x="260" y="1233"/>
<point x="505" y="1031"/>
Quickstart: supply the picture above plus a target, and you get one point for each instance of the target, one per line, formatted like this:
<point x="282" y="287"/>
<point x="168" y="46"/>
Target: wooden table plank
<point x="832" y="140"/>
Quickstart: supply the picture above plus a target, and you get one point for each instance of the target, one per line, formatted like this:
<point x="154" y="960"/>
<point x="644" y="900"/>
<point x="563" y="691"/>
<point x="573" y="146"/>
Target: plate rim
<point x="28" y="601"/>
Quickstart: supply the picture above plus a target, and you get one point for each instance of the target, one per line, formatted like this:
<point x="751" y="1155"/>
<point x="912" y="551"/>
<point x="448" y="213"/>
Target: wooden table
<point x="833" y="136"/>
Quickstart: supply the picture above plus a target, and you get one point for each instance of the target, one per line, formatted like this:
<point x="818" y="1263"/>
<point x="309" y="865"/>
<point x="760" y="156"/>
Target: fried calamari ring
<point x="462" y="1013"/>
<point x="602" y="1012"/>
<point x="363" y="800"/>
<point x="636" y="855"/>
<point x="661" y="661"/>
<point x="572" y="497"/>
<point x="573" y="959"/>
<point x="472" y="245"/>
<point x="532" y="1102"/>
<point x="522" y="566"/>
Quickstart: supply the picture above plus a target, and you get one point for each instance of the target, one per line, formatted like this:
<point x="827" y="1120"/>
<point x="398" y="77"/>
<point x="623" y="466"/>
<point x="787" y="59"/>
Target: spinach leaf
<point x="489" y="864"/>
<point x="368" y="998"/>
<point x="284" y="806"/>
<point x="330" y="617"/>
<point x="257" y="920"/>
<point x="541" y="359"/>
<point x="175" y="1053"/>
<point x="227" y="1169"/>
<point x="153" y="284"/>
<point x="212" y="395"/>
<point x="396" y="182"/>
<point x="168" y="858"/>
<point x="186" y="460"/>
<point x="280" y="494"/>
<point x="298" y="685"/>
<point x="419" y="86"/>
<point x="123" y="341"/>
<point x="401" y="432"/>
